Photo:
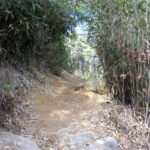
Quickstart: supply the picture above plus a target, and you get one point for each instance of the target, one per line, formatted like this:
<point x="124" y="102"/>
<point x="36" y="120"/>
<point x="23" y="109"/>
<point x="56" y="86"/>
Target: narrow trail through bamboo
<point x="58" y="105"/>
<point x="60" y="109"/>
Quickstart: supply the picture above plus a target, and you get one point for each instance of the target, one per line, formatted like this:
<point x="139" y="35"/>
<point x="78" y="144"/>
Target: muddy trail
<point x="65" y="117"/>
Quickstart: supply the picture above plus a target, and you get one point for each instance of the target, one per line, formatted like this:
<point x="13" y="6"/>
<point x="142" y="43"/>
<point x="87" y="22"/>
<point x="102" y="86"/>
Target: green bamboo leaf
<point x="39" y="6"/>
<point x="33" y="5"/>
<point x="27" y="25"/>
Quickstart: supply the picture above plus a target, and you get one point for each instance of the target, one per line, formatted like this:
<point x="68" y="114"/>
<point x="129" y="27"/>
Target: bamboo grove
<point x="119" y="30"/>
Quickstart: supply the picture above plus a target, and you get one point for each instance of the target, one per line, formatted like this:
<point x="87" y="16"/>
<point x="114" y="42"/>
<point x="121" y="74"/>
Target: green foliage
<point x="27" y="27"/>
<point x="80" y="56"/>
<point x="6" y="87"/>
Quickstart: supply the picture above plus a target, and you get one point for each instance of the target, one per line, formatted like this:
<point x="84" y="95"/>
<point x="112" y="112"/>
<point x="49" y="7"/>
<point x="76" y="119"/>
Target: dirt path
<point x="61" y="110"/>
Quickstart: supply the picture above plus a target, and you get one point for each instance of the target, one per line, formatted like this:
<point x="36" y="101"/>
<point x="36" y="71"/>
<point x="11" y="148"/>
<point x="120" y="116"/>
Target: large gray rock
<point x="9" y="141"/>
<point x="87" y="141"/>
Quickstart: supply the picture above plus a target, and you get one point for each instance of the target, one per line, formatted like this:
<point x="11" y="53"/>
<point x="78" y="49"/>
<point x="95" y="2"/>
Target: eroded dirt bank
<point x="61" y="112"/>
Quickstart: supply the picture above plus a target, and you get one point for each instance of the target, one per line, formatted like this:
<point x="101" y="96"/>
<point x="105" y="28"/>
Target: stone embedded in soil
<point x="87" y="141"/>
<point x="9" y="141"/>
<point x="107" y="144"/>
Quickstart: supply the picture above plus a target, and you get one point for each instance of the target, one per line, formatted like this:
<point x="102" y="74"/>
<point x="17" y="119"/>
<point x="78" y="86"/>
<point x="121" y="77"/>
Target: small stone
<point x="107" y="144"/>
<point x="94" y="114"/>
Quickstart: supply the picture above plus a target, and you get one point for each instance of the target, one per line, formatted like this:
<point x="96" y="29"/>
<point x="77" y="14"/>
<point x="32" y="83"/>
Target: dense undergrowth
<point x="14" y="107"/>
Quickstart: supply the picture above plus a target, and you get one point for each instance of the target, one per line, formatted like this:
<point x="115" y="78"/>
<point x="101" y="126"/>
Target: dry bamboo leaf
<point x="139" y="76"/>
<point x="144" y="90"/>
<point x="130" y="74"/>
<point x="121" y="45"/>
<point x="147" y="131"/>
<point x="147" y="51"/>
<point x="148" y="55"/>
<point x="125" y="51"/>
<point x="143" y="56"/>
<point x="128" y="52"/>
<point x="134" y="56"/>
<point x="138" y="59"/>
<point x="123" y="76"/>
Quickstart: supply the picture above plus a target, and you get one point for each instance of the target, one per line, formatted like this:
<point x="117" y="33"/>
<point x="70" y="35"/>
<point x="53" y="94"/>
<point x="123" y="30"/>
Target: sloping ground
<point x="65" y="117"/>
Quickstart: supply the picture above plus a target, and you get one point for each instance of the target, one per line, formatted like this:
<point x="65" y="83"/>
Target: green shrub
<point x="27" y="27"/>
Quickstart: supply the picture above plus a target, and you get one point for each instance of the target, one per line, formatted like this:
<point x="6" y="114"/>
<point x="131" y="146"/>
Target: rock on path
<point x="9" y="141"/>
<point x="77" y="141"/>
<point x="87" y="141"/>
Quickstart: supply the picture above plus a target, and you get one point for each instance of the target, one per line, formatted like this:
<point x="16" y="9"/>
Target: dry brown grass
<point x="128" y="126"/>
<point x="14" y="87"/>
